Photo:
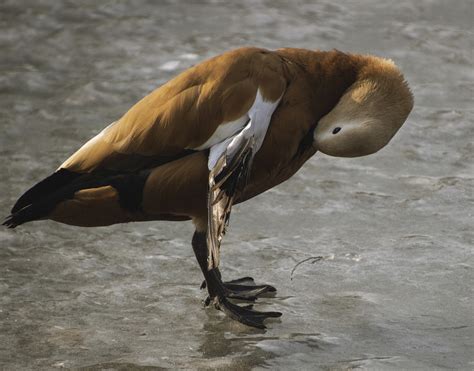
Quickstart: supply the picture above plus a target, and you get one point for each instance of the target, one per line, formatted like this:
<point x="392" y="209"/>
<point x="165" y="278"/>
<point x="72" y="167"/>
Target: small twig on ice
<point x="314" y="260"/>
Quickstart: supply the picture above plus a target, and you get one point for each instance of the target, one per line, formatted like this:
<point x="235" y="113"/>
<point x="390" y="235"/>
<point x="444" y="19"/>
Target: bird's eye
<point x="336" y="130"/>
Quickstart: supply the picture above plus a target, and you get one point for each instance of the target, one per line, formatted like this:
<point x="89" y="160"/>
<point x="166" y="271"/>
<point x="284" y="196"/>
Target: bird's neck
<point x="332" y="66"/>
<point x="327" y="74"/>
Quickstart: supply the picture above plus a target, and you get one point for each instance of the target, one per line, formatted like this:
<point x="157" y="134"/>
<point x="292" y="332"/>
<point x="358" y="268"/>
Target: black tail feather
<point x="41" y="206"/>
<point x="49" y="185"/>
<point x="26" y="214"/>
<point x="39" y="201"/>
<point x="9" y="222"/>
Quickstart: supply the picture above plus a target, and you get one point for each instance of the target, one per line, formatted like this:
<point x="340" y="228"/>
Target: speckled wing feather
<point x="224" y="179"/>
<point x="229" y="163"/>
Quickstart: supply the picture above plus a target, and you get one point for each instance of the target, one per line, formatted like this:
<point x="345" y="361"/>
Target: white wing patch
<point x="224" y="131"/>
<point x="254" y="125"/>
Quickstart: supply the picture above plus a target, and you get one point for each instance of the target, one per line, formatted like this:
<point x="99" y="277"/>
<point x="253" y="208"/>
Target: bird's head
<point x="368" y="114"/>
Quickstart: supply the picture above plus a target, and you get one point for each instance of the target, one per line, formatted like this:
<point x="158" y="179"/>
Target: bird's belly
<point x="178" y="188"/>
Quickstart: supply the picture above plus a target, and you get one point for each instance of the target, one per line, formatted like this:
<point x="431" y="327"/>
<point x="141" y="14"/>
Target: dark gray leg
<point x="218" y="292"/>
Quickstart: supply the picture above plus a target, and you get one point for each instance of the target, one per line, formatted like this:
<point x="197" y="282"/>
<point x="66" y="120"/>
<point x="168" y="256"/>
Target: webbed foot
<point x="242" y="289"/>
<point x="220" y="292"/>
<point x="245" y="315"/>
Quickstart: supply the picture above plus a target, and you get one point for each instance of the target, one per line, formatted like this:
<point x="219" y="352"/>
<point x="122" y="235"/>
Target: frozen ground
<point x="395" y="287"/>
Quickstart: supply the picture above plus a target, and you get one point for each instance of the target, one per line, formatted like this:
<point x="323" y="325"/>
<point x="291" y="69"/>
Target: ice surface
<point x="394" y="290"/>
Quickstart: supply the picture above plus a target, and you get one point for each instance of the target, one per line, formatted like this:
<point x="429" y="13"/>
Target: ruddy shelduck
<point x="218" y="134"/>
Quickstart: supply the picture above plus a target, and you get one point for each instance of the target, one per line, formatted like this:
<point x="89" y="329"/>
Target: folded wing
<point x="194" y="111"/>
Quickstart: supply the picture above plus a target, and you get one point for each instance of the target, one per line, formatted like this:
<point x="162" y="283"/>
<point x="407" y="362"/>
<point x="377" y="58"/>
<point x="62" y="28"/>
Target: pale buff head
<point x="368" y="114"/>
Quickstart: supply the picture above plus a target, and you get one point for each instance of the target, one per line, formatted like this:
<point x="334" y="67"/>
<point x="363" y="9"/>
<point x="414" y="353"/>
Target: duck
<point x="218" y="134"/>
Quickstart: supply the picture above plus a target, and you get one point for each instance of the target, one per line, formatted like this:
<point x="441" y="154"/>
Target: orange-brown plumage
<point x="220" y="133"/>
<point x="183" y="114"/>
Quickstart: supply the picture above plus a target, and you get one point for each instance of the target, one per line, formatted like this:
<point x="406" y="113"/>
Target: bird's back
<point x="152" y="163"/>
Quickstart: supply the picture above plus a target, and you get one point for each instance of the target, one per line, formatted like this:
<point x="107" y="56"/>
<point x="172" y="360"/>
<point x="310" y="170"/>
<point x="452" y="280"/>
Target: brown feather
<point x="186" y="111"/>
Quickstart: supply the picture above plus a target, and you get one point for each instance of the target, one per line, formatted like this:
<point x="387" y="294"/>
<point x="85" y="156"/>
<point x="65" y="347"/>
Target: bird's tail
<point x="36" y="202"/>
<point x="26" y="214"/>
<point x="78" y="194"/>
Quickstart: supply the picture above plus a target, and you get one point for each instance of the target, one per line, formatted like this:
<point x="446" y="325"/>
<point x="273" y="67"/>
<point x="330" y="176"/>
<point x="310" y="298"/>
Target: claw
<point x="244" y="315"/>
<point x="236" y="289"/>
<point x="238" y="281"/>
<point x="241" y="281"/>
<point x="244" y="290"/>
